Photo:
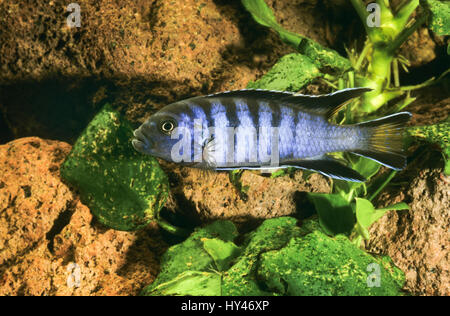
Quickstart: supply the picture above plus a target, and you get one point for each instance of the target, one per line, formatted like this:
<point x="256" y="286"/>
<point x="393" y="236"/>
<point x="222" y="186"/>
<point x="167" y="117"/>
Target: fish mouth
<point x="141" y="141"/>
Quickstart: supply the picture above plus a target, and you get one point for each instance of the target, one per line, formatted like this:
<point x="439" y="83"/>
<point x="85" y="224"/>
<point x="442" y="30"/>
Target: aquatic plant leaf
<point x="364" y="166"/>
<point x="366" y="214"/>
<point x="191" y="254"/>
<point x="235" y="179"/>
<point x="335" y="213"/>
<point x="319" y="265"/>
<point x="123" y="189"/>
<point x="439" y="16"/>
<point x="324" y="57"/>
<point x="395" y="207"/>
<point x="291" y="73"/>
<point x="192" y="283"/>
<point x="277" y="258"/>
<point x="438" y="134"/>
<point x="222" y="252"/>
<point x="278" y="173"/>
<point x="264" y="16"/>
<point x="319" y="55"/>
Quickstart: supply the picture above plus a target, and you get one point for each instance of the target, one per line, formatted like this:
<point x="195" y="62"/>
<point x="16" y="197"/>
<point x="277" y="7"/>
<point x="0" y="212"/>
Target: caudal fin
<point x="384" y="141"/>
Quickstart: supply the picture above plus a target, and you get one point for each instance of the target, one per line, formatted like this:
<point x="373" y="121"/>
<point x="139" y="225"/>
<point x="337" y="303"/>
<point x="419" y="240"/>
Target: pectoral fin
<point x="328" y="167"/>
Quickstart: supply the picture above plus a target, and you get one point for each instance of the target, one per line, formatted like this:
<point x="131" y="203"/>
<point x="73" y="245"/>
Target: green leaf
<point x="278" y="173"/>
<point x="324" y="57"/>
<point x="291" y="73"/>
<point x="264" y="16"/>
<point x="379" y="183"/>
<point x="358" y="240"/>
<point x="235" y="179"/>
<point x="366" y="167"/>
<point x="439" y="16"/>
<point x="366" y="214"/>
<point x="192" y="283"/>
<point x="438" y="134"/>
<point x="222" y="252"/>
<point x="317" y="265"/>
<point x="278" y="258"/>
<point x="319" y="55"/>
<point x="191" y="255"/>
<point x="123" y="189"/>
<point x="396" y="207"/>
<point x="335" y="213"/>
<point x="306" y="174"/>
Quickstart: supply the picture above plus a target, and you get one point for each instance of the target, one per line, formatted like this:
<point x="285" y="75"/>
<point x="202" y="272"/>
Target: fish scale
<point x="239" y="127"/>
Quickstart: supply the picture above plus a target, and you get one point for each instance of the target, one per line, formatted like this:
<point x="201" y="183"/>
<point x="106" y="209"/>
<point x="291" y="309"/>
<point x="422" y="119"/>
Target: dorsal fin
<point x="325" y="105"/>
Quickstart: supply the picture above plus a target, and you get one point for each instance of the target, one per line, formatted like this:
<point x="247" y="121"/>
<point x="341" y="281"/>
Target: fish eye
<point x="167" y="126"/>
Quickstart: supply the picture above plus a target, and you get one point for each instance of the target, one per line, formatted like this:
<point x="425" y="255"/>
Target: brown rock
<point x="432" y="106"/>
<point x="51" y="245"/>
<point x="31" y="195"/>
<point x="147" y="54"/>
<point x="418" y="240"/>
<point x="141" y="55"/>
<point x="419" y="49"/>
<point x="47" y="234"/>
<point x="328" y="22"/>
<point x="210" y="195"/>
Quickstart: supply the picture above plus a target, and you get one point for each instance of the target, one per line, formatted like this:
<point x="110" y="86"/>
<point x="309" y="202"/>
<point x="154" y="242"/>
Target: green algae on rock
<point x="123" y="189"/>
<point x="291" y="73"/>
<point x="315" y="53"/>
<point x="439" y="19"/>
<point x="316" y="264"/>
<point x="186" y="265"/>
<point x="278" y="258"/>
<point x="437" y="134"/>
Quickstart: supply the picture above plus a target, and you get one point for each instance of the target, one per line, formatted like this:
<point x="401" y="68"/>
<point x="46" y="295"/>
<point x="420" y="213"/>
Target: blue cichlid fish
<point x="261" y="129"/>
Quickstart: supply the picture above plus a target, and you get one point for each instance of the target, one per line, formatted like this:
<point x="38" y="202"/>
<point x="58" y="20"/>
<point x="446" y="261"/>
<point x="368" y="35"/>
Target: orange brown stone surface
<point x="49" y="243"/>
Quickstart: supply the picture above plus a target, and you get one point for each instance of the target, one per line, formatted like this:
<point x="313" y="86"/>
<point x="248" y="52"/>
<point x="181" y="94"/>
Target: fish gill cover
<point x="122" y="188"/>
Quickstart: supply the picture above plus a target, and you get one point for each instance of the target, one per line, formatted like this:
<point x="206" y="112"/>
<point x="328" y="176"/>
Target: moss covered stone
<point x="313" y="52"/>
<point x="319" y="265"/>
<point x="124" y="189"/>
<point x="278" y="258"/>
<point x="194" y="256"/>
<point x="291" y="73"/>
<point x="438" y="134"/>
<point x="439" y="19"/>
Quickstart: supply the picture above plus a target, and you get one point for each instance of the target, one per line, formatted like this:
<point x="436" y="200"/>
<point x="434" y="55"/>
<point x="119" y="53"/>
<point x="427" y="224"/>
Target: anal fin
<point x="328" y="167"/>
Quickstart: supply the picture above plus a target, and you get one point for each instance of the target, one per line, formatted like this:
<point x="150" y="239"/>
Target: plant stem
<point x="401" y="38"/>
<point x="405" y="12"/>
<point x="367" y="47"/>
<point x="379" y="72"/>
<point x="178" y="231"/>
<point x="395" y="71"/>
<point x="427" y="83"/>
<point x="382" y="45"/>
<point x="362" y="12"/>
<point x="351" y="79"/>
<point x="341" y="83"/>
<point x="383" y="4"/>
<point x="381" y="187"/>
